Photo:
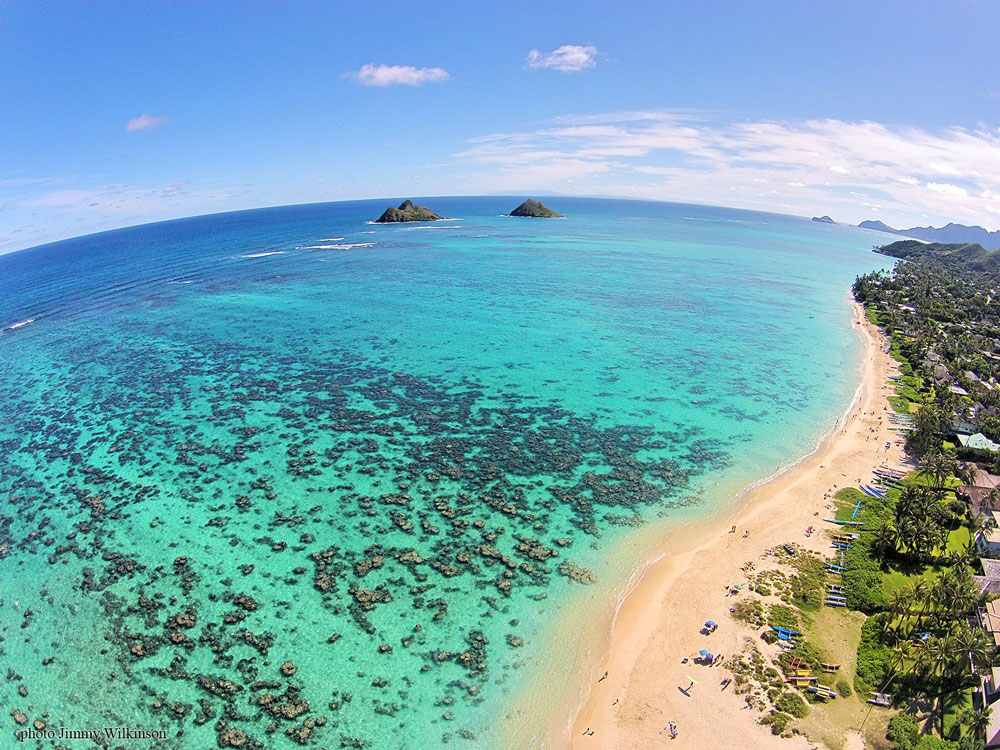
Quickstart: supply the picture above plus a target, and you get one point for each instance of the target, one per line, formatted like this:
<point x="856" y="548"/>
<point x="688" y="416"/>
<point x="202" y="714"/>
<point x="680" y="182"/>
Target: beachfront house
<point x="978" y="442"/>
<point x="989" y="581"/>
<point x="993" y="732"/>
<point x="962" y="426"/>
<point x="989" y="618"/>
<point x="980" y="494"/>
<point x="988" y="537"/>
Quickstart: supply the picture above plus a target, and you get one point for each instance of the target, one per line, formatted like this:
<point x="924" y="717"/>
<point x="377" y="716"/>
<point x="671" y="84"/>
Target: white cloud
<point x="570" y="58"/>
<point x="145" y="122"/>
<point x="693" y="158"/>
<point x="398" y="75"/>
<point x="947" y="188"/>
<point x="175" y="189"/>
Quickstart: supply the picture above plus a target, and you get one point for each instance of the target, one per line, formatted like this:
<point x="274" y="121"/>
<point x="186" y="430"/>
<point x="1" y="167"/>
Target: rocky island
<point x="823" y="219"/>
<point x="407" y="212"/>
<point x="534" y="209"/>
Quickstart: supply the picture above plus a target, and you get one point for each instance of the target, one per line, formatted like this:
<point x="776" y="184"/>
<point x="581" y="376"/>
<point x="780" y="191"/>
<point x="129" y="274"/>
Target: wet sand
<point x="659" y="621"/>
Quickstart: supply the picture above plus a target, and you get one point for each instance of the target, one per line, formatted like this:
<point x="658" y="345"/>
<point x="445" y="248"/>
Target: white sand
<point x="659" y="620"/>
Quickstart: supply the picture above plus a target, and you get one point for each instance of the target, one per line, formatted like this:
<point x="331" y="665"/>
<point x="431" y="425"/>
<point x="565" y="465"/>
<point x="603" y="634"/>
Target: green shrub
<point x="750" y="611"/>
<point x="809" y="582"/>
<point x="874" y="657"/>
<point x="777" y="721"/>
<point x="807" y="653"/>
<point x="782" y="616"/>
<point x="792" y="703"/>
<point x="844" y="688"/>
<point x="862" y="584"/>
<point x="930" y="742"/>
<point x="862" y="581"/>
<point x="903" y="733"/>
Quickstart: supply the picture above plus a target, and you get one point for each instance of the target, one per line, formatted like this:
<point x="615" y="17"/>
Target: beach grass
<point x="845" y="501"/>
<point x="901" y="405"/>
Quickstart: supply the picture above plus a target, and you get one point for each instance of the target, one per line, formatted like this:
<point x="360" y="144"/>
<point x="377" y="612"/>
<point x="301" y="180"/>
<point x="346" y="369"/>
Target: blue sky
<point x="119" y="113"/>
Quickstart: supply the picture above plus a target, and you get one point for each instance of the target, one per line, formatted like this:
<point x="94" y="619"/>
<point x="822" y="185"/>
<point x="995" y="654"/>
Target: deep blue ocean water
<point x="287" y="476"/>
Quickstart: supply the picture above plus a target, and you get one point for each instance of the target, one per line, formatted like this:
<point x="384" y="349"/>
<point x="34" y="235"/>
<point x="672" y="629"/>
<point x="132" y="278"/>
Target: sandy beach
<point x="635" y="684"/>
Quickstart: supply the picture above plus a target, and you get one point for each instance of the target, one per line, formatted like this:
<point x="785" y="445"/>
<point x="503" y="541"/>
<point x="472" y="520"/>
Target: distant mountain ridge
<point x="950" y="233"/>
<point x="970" y="255"/>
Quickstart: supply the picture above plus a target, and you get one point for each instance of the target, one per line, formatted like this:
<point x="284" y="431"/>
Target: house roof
<point x="991" y="536"/>
<point x="984" y="479"/>
<point x="993" y="732"/>
<point x="991" y="568"/>
<point x="991" y="621"/>
<point x="989" y="586"/>
<point x="978" y="498"/>
<point x="979" y="442"/>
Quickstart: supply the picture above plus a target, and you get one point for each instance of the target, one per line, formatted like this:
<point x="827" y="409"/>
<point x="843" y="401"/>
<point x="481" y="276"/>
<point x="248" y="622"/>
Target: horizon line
<point x="544" y="193"/>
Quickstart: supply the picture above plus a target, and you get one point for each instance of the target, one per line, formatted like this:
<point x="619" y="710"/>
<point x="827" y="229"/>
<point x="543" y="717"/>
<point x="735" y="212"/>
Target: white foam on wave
<point x="263" y="255"/>
<point x="435" y="226"/>
<point x="347" y="246"/>
<point x="370" y="231"/>
<point x="331" y="239"/>
<point x="19" y="325"/>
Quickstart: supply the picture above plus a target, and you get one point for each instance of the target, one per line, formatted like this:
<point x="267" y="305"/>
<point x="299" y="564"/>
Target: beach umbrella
<point x="704" y="654"/>
<point x="710" y="624"/>
<point x="692" y="679"/>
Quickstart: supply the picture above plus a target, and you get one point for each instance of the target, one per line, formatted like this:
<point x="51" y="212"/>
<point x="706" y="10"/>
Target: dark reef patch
<point x="235" y="508"/>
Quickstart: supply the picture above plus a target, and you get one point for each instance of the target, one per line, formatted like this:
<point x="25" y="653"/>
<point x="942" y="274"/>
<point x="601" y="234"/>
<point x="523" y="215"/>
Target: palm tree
<point x="885" y="539"/>
<point x="921" y="593"/>
<point x="907" y="532"/>
<point x="906" y="500"/>
<point x="976" y="723"/>
<point x="899" y="602"/>
<point x="993" y="498"/>
<point x="972" y="650"/>
<point x="966" y="474"/>
<point x="937" y="465"/>
<point x="926" y="426"/>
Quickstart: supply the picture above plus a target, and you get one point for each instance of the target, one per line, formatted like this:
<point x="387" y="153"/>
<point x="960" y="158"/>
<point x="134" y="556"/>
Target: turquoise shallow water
<point x="382" y="456"/>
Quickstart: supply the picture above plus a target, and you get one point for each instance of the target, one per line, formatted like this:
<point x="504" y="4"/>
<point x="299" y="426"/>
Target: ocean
<point x="283" y="477"/>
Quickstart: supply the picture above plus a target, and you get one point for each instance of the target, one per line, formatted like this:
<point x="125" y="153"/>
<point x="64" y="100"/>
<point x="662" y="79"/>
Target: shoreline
<point x="628" y="694"/>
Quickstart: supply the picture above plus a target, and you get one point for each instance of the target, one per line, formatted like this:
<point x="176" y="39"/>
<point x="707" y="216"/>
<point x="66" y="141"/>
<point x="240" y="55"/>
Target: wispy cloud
<point x="813" y="166"/>
<point x="570" y="58"/>
<point x="110" y="198"/>
<point x="398" y="75"/>
<point x="145" y="122"/>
